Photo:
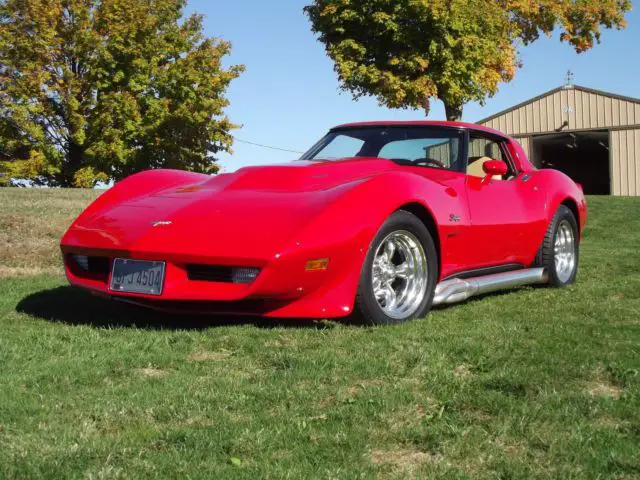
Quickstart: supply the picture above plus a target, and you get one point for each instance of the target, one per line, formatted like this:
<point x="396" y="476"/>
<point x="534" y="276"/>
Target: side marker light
<point x="317" y="265"/>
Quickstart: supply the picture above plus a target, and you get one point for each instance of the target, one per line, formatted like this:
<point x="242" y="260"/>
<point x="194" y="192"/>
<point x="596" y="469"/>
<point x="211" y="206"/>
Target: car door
<point x="506" y="212"/>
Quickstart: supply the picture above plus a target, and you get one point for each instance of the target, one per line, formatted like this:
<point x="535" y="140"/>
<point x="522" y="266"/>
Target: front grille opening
<point x="91" y="266"/>
<point x="221" y="273"/>
<point x="99" y="265"/>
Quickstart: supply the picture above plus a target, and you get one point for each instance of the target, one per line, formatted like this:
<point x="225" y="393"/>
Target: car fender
<point x="563" y="190"/>
<point x="142" y="183"/>
<point x="344" y="230"/>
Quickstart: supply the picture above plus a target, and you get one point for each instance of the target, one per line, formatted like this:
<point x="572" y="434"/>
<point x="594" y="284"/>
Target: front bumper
<point x="283" y="287"/>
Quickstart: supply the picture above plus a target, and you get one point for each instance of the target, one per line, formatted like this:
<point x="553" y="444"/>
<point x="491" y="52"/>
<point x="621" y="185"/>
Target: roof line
<point x="421" y="123"/>
<point x="554" y="91"/>
<point x="519" y="105"/>
<point x="608" y="94"/>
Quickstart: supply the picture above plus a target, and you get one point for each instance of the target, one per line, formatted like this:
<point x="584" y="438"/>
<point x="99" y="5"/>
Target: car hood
<point x="255" y="212"/>
<point x="304" y="175"/>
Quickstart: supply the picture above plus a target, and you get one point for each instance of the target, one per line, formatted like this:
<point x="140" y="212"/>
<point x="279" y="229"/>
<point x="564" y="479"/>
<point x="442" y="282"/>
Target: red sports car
<point x="377" y="220"/>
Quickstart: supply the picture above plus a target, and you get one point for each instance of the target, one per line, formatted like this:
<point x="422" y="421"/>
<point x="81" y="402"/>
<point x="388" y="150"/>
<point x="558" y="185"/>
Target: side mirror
<point x="495" y="167"/>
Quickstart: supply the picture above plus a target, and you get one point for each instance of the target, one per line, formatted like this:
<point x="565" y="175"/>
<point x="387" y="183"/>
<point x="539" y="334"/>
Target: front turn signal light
<point x="317" y="265"/>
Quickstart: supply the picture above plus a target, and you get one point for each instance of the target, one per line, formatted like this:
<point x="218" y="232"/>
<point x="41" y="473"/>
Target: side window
<point x="481" y="150"/>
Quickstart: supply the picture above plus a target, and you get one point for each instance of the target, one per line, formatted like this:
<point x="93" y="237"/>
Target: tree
<point x="405" y="52"/>
<point x="97" y="89"/>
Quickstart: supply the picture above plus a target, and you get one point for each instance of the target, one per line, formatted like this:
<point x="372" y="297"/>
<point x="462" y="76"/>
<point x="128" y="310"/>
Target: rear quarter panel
<point x="560" y="189"/>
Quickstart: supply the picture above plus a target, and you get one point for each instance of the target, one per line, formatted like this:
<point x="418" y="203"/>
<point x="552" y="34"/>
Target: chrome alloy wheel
<point x="564" y="251"/>
<point x="399" y="274"/>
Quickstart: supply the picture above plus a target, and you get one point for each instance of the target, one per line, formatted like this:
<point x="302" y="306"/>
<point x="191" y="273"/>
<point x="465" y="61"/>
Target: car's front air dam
<point x="284" y="284"/>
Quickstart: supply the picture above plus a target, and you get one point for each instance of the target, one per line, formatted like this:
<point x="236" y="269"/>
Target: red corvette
<point x="377" y="220"/>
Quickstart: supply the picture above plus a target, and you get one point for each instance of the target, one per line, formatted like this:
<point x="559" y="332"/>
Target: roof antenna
<point x="569" y="79"/>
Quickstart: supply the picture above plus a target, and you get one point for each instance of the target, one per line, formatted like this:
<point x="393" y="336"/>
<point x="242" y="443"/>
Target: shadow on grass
<point x="73" y="306"/>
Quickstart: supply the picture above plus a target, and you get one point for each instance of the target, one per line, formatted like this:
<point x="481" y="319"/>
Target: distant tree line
<point x="95" y="90"/>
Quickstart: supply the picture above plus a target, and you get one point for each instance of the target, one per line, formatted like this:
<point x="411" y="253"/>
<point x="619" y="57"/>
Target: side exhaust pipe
<point x="457" y="290"/>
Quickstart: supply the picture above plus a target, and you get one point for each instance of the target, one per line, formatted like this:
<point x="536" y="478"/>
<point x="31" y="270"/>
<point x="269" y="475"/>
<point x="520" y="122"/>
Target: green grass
<point x="533" y="383"/>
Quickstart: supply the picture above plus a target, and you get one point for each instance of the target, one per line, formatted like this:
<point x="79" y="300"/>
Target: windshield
<point x="412" y="146"/>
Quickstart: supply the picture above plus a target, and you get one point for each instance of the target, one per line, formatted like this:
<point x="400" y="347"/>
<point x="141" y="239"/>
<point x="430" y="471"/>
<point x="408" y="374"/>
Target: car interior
<point x="482" y="150"/>
<point x="475" y="167"/>
<point x="416" y="147"/>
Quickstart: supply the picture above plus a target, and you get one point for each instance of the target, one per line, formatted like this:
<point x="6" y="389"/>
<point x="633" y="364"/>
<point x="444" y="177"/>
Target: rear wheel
<point x="560" y="250"/>
<point x="399" y="273"/>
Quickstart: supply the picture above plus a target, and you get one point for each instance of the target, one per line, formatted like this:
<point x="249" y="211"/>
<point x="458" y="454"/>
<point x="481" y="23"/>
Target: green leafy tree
<point x="96" y="89"/>
<point x="405" y="52"/>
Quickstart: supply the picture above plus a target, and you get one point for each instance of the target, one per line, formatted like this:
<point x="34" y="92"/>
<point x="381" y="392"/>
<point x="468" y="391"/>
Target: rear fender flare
<point x="562" y="190"/>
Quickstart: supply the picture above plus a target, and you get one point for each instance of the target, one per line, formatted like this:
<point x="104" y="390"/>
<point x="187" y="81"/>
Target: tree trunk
<point x="454" y="112"/>
<point x="73" y="162"/>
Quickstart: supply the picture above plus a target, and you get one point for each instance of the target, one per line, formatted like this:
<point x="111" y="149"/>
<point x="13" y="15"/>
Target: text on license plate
<point x="137" y="276"/>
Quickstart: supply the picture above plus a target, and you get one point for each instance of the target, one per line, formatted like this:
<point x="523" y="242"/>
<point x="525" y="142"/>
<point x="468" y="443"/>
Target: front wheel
<point x="560" y="249"/>
<point x="398" y="277"/>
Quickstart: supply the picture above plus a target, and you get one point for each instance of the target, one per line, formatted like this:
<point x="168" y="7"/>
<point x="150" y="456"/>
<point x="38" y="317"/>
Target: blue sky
<point x="289" y="95"/>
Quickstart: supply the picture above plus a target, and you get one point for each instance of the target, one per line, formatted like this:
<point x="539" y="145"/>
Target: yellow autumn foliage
<point x="405" y="52"/>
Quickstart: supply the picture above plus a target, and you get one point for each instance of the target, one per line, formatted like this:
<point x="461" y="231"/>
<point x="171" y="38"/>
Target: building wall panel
<point x="536" y="116"/>
<point x="625" y="162"/>
<point x="563" y="103"/>
<point x="586" y="110"/>
<point x="569" y="109"/>
<point x="550" y="113"/>
<point x="636" y="150"/>
<point x="582" y="109"/>
<point x="598" y="118"/>
<point x="593" y="111"/>
<point x="515" y="118"/>
<point x="631" y="164"/>
<point x="615" y="112"/>
<point x="608" y="112"/>
<point x="614" y="159"/>
<point x="579" y="110"/>
<point x="525" y="143"/>
<point x="622" y="113"/>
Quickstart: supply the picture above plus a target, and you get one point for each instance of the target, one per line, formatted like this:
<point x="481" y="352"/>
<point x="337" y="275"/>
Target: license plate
<point x="137" y="276"/>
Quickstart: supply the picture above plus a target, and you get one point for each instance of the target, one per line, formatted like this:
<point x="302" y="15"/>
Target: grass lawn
<point x="532" y="383"/>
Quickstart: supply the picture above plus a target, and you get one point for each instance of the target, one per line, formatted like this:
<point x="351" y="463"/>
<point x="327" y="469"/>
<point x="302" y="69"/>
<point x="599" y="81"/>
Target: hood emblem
<point x="161" y="223"/>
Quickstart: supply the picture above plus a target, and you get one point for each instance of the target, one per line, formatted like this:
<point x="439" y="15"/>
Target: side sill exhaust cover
<point x="458" y="290"/>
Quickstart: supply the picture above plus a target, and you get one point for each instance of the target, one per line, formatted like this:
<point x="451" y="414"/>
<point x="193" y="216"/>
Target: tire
<point x="413" y="264"/>
<point x="560" y="250"/>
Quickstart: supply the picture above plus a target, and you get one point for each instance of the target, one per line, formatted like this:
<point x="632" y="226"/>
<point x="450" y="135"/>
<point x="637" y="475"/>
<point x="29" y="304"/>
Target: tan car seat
<point x="475" y="167"/>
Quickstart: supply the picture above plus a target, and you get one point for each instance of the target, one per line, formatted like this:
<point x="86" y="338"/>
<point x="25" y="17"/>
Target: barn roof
<point x="569" y="107"/>
<point x="556" y="90"/>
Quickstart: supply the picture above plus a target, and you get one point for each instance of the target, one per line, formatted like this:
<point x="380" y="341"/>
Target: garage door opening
<point x="582" y="156"/>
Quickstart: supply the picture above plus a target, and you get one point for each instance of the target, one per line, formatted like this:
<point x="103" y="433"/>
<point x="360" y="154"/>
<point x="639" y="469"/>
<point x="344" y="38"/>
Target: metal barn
<point x="592" y="136"/>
